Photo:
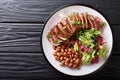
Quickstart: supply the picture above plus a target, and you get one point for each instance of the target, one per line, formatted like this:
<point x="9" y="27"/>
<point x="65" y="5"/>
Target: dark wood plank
<point x="20" y="37"/>
<point x="15" y="37"/>
<point x="25" y="65"/>
<point x="21" y="55"/>
<point x="39" y="10"/>
<point x="21" y="23"/>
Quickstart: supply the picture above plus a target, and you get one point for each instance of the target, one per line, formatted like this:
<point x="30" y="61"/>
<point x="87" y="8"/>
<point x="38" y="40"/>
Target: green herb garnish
<point x="102" y="24"/>
<point x="84" y="24"/>
<point x="89" y="18"/>
<point x="58" y="33"/>
<point x="70" y="16"/>
<point x="72" y="22"/>
<point x="48" y="36"/>
<point x="64" y="27"/>
<point x="56" y="41"/>
<point x="66" y="37"/>
<point x="78" y="22"/>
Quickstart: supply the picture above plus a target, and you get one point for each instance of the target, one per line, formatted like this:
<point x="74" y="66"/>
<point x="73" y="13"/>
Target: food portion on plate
<point x="77" y="40"/>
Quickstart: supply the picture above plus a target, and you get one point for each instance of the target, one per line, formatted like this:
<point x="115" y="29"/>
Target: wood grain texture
<point x="21" y="55"/>
<point x="35" y="66"/>
<point x="16" y="37"/>
<point x="21" y="23"/>
<point x="39" y="10"/>
<point x="20" y="37"/>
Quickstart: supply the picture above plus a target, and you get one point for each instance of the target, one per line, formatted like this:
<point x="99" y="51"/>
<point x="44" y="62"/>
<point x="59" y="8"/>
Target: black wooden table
<point x="21" y="23"/>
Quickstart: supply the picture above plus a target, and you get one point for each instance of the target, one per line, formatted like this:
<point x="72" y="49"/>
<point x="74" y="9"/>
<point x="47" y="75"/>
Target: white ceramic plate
<point x="47" y="47"/>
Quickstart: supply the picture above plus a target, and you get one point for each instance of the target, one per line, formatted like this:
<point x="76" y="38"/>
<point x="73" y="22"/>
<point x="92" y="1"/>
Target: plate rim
<point x="77" y="4"/>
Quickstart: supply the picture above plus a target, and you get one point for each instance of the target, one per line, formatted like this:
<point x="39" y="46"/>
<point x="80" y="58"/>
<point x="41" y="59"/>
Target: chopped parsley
<point x="66" y="37"/>
<point x="70" y="16"/>
<point x="58" y="33"/>
<point x="72" y="22"/>
<point x="78" y="22"/>
<point x="89" y="18"/>
<point x="56" y="41"/>
<point x="84" y="24"/>
<point x="64" y="27"/>
<point x="102" y="24"/>
<point x="48" y="36"/>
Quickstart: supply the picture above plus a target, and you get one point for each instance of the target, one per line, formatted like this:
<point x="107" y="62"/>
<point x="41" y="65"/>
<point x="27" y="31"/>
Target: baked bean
<point x="56" y="57"/>
<point x="67" y="60"/>
<point x="62" y="50"/>
<point x="58" y="54"/>
<point x="76" y="53"/>
<point x="74" y="59"/>
<point x="80" y="56"/>
<point x="74" y="65"/>
<point x="72" y="51"/>
<point x="78" y="66"/>
<point x="75" y="56"/>
<point x="77" y="61"/>
<point x="65" y="53"/>
<point x="62" y="63"/>
<point x="59" y="47"/>
<point x="63" y="47"/>
<point x="70" y="56"/>
<point x="54" y="54"/>
<point x="66" y="50"/>
<point x="70" y="65"/>
<point x="69" y="53"/>
<point x="66" y="64"/>
<point x="57" y="50"/>
<point x="67" y="57"/>
<point x="69" y="49"/>
<point x="62" y="53"/>
<point x="54" y="47"/>
<point x="61" y="58"/>
<point x="71" y="60"/>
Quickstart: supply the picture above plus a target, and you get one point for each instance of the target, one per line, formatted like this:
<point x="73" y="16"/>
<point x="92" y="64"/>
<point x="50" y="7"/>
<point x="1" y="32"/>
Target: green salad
<point x="90" y="44"/>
